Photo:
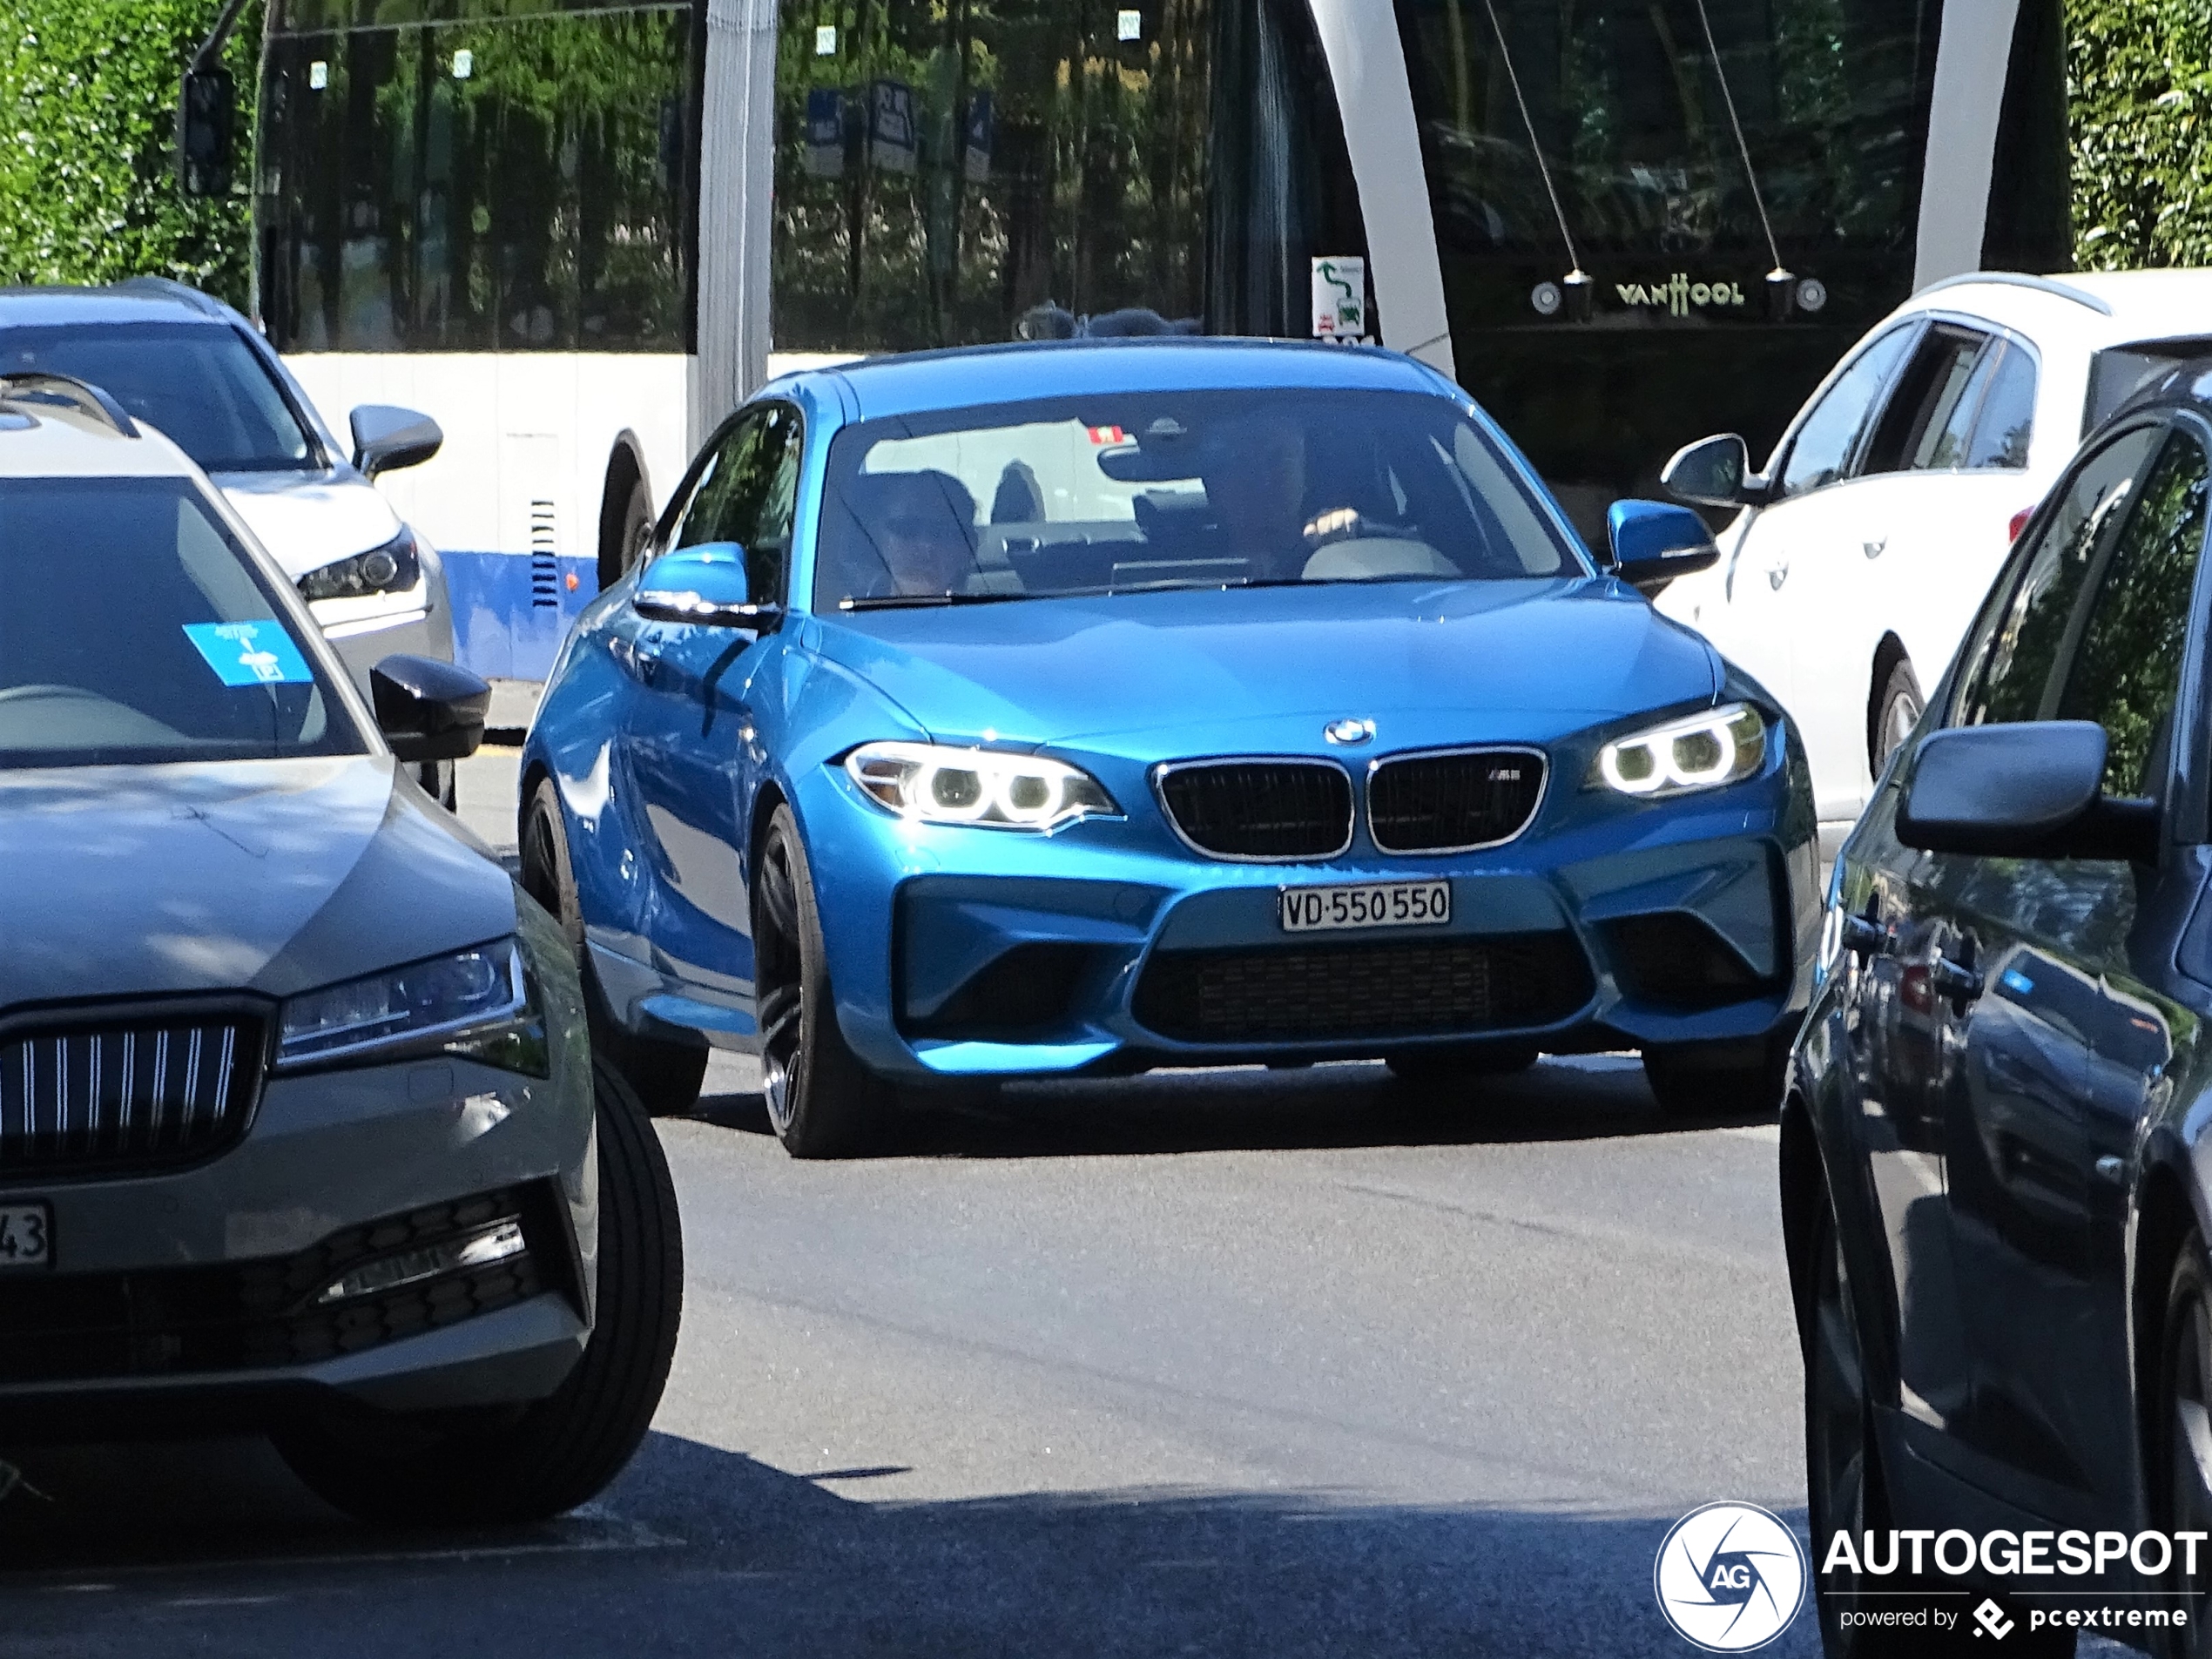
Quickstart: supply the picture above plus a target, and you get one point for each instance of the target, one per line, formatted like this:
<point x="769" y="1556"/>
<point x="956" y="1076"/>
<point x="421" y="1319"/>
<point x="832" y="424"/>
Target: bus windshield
<point x="1120" y="493"/>
<point x="1643" y="112"/>
<point x="198" y="383"/>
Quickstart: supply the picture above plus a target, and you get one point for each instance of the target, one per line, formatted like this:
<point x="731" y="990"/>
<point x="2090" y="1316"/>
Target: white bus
<point x="578" y="234"/>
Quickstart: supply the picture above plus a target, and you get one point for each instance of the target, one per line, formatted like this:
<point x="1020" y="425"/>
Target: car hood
<point x="1156" y="674"/>
<point x="307" y="519"/>
<point x="267" y="876"/>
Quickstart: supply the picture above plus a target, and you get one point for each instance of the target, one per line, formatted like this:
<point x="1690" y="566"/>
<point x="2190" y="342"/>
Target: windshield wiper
<point x="917" y="601"/>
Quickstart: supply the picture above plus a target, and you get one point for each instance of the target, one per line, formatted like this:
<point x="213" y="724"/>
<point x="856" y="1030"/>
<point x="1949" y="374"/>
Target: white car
<point x="1860" y="554"/>
<point x="194" y="369"/>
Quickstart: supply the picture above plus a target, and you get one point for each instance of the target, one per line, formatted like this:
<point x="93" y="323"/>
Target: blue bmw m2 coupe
<point x="1083" y="708"/>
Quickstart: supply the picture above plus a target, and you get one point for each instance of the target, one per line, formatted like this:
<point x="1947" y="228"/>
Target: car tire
<point x="1893" y="714"/>
<point x="2179" y="1496"/>
<point x="1442" y="1068"/>
<point x="1699" y="1079"/>
<point x="506" y="1464"/>
<point x="822" y="1101"/>
<point x="666" y="1076"/>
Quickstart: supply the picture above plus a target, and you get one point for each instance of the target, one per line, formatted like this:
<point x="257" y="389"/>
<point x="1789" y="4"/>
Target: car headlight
<point x="394" y="567"/>
<point x="940" y="785"/>
<point x="1703" y="751"/>
<point x="478" y="1003"/>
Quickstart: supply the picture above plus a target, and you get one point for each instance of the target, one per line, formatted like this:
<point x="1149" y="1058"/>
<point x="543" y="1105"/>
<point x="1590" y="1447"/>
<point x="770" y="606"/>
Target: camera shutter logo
<point x="1730" y="1577"/>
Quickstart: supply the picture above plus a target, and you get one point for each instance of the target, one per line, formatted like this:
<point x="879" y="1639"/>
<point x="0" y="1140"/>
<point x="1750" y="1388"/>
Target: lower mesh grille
<point x="107" y="1094"/>
<point x="258" y="1314"/>
<point x="1427" y="987"/>
<point x="1438" y="803"/>
<point x="1261" y="809"/>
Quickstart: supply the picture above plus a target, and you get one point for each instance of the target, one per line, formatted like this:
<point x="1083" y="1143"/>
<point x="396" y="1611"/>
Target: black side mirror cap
<point x="2030" y="790"/>
<point x="1714" y="472"/>
<point x="385" y="439"/>
<point x="428" y="709"/>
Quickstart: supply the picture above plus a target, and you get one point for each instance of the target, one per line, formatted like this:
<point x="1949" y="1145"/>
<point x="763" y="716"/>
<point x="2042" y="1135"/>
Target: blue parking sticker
<point x="249" y="653"/>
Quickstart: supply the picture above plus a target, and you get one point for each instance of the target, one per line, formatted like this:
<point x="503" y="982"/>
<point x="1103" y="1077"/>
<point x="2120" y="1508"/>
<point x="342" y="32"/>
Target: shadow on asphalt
<point x="700" y="1550"/>
<point x="1588" y="1097"/>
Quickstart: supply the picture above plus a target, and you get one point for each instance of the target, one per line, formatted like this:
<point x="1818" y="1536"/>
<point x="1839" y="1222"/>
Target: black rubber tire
<point x="525" y="1463"/>
<point x="822" y="1101"/>
<point x="1892" y="712"/>
<point x="1442" y="1068"/>
<point x="635" y="529"/>
<point x="664" y="1076"/>
<point x="1697" y="1080"/>
<point x="2180" y="1498"/>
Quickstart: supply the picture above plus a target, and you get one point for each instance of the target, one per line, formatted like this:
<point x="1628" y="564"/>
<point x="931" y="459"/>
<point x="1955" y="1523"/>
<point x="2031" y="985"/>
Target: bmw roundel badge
<point x="1348" y="731"/>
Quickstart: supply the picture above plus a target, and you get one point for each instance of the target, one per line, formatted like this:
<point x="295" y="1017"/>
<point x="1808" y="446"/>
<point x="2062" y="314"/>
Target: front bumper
<point x="193" y="1294"/>
<point x="1109" y="947"/>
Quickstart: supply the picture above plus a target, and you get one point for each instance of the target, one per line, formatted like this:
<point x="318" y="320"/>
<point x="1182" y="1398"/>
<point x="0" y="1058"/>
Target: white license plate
<point x="1381" y="904"/>
<point x="26" y="1236"/>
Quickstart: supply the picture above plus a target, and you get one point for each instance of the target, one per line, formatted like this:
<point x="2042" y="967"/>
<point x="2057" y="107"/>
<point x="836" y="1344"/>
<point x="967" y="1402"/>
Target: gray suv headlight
<point x="478" y="1003"/>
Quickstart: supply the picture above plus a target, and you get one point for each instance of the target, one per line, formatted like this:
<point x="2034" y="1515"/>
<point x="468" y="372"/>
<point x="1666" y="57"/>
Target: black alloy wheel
<point x="822" y="1101"/>
<point x="495" y="1465"/>
<point x="2180" y="1463"/>
<point x="665" y="1076"/>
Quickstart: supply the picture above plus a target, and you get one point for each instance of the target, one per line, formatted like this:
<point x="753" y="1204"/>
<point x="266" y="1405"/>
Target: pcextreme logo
<point x="1730" y="1577"/>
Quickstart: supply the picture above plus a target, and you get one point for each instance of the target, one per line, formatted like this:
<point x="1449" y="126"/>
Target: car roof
<point x="918" y="382"/>
<point x="2092" y="309"/>
<point x="139" y="301"/>
<point x="39" y="439"/>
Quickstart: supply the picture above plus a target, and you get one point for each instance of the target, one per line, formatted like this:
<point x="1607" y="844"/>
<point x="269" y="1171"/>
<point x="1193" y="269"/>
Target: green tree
<point x="2139" y="93"/>
<point x="88" y="179"/>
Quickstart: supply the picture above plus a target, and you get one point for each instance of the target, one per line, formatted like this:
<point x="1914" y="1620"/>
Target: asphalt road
<point x="1230" y="1362"/>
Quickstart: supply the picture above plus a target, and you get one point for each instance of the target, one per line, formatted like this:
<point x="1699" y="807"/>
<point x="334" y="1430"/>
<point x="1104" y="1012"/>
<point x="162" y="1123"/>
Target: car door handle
<point x="1950" y="980"/>
<point x="1776" y="574"/>
<point x="1874" y="548"/>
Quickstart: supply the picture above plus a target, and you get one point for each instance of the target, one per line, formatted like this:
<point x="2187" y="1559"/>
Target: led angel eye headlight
<point x="1704" y="751"/>
<point x="934" y="784"/>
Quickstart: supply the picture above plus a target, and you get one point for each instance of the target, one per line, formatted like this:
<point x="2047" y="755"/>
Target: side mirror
<point x="429" y="710"/>
<point x="1713" y="472"/>
<point x="207" y="118"/>
<point x="385" y="439"/>
<point x="1653" y="541"/>
<point x="2033" y="790"/>
<point x="704" y="583"/>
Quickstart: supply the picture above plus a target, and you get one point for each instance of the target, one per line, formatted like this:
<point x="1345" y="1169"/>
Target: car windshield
<point x="199" y="383"/>
<point x="1173" y="490"/>
<point x="139" y="630"/>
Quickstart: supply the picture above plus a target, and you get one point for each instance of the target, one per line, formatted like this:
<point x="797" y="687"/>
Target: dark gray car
<point x="298" y="1123"/>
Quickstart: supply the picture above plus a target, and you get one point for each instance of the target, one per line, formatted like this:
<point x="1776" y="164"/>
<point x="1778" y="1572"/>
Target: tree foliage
<point x="88" y="180"/>
<point x="2139" y="89"/>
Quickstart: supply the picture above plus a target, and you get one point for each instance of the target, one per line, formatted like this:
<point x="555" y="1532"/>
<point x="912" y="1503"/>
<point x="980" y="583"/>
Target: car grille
<point x="96" y="1097"/>
<point x="1442" y="803"/>
<point x="258" y="1314"/>
<point x="1260" y="809"/>
<point x="1424" y="988"/>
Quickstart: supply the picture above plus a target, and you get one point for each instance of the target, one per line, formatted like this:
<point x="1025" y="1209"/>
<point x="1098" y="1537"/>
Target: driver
<point x="1255" y="474"/>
